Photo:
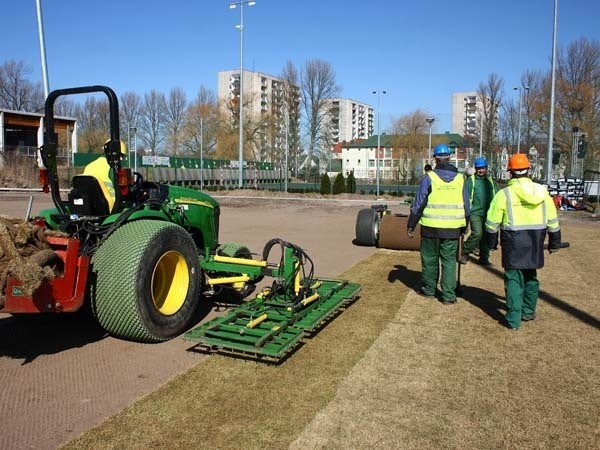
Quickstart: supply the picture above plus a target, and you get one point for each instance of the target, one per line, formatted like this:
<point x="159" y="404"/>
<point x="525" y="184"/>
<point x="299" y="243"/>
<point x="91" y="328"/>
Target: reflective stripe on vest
<point x="518" y="217"/>
<point x="445" y="206"/>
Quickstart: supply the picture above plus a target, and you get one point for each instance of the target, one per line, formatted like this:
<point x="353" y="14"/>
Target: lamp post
<point x="552" y="95"/>
<point x="429" y="120"/>
<point x="520" y="90"/>
<point x="287" y="125"/>
<point x="134" y="130"/>
<point x="481" y="135"/>
<point x="42" y="40"/>
<point x="201" y="153"/>
<point x="378" y="140"/>
<point x="234" y="5"/>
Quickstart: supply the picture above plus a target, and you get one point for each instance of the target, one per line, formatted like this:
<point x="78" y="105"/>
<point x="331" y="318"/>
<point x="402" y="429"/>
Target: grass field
<point x="397" y="370"/>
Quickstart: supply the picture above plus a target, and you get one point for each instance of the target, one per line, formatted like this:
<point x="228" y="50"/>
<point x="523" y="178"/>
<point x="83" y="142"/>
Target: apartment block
<point x="264" y="95"/>
<point x="350" y="119"/>
<point x="466" y="113"/>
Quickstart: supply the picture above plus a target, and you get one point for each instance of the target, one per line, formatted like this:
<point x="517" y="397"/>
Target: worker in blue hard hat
<point x="441" y="206"/>
<point x="481" y="188"/>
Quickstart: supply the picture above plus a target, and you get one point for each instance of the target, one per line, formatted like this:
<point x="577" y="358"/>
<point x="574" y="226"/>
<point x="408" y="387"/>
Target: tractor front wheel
<point x="145" y="281"/>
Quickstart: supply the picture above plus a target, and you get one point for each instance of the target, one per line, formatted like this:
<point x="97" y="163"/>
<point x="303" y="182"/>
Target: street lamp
<point x="134" y="130"/>
<point x="429" y="120"/>
<point x="287" y="125"/>
<point x="552" y="89"/>
<point x="201" y="154"/>
<point x="481" y="134"/>
<point x="520" y="89"/>
<point x="378" y="140"/>
<point x="234" y="5"/>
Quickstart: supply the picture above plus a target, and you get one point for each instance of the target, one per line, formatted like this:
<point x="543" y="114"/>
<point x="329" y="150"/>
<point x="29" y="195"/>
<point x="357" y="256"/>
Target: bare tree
<point x="16" y="92"/>
<point x="65" y="107"/>
<point x="318" y="85"/>
<point x="490" y="96"/>
<point x="93" y="120"/>
<point x="578" y="98"/>
<point x="175" y="114"/>
<point x="152" y="118"/>
<point x="129" y="112"/>
<point x="508" y="123"/>
<point x="201" y="123"/>
<point x="291" y="80"/>
<point x="531" y="131"/>
<point x="410" y="139"/>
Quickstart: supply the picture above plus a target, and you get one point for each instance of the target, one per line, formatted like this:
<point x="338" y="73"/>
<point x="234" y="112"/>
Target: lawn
<point x="396" y="370"/>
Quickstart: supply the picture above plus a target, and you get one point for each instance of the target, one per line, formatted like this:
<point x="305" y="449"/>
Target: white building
<point x="466" y="113"/>
<point x="263" y="94"/>
<point x="349" y="119"/>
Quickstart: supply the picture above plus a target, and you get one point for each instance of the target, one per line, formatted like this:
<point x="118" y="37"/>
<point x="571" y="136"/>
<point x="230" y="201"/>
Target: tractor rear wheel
<point x="145" y="281"/>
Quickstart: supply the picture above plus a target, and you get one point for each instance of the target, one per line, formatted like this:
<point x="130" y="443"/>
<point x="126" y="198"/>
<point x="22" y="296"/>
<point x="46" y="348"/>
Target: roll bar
<point x="49" y="149"/>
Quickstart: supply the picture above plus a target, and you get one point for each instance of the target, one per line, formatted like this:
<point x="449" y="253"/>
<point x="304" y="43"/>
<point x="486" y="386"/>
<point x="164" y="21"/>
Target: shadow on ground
<point x="29" y="336"/>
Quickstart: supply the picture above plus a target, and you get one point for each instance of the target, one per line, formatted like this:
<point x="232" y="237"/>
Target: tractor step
<point x="271" y="327"/>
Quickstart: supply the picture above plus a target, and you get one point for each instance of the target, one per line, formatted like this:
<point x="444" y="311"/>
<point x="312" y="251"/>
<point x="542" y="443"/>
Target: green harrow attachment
<point x="270" y="326"/>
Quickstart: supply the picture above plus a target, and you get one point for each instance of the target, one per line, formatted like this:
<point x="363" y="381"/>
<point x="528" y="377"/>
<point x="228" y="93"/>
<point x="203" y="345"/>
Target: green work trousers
<point x="436" y="251"/>
<point x="475" y="237"/>
<point x="521" y="287"/>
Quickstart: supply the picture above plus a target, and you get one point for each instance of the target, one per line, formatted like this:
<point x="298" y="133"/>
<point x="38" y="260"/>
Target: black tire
<point x="234" y="250"/>
<point x="367" y="227"/>
<point x="145" y="281"/>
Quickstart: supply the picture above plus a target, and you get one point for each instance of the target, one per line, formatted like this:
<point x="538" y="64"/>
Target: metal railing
<point x="30" y="151"/>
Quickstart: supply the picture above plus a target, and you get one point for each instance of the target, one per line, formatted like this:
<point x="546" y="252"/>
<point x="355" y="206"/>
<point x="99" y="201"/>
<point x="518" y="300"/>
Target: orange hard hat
<point x="518" y="161"/>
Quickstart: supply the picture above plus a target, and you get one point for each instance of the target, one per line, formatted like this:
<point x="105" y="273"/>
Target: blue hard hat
<point x="480" y="162"/>
<point x="441" y="150"/>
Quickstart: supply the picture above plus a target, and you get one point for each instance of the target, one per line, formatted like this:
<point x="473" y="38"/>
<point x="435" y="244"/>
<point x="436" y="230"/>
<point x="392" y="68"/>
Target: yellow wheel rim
<point x="170" y="283"/>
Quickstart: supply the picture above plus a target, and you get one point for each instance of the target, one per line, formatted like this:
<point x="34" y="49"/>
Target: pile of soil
<point x="25" y="254"/>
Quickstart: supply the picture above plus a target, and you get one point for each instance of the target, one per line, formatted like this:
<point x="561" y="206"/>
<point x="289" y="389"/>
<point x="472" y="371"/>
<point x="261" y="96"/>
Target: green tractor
<point x="143" y="264"/>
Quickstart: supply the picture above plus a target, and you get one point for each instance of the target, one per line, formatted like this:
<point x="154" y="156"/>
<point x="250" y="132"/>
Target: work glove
<point x="410" y="232"/>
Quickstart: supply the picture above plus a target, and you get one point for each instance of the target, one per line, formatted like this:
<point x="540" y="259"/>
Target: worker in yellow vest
<point x="100" y="170"/>
<point x="524" y="213"/>
<point x="441" y="206"/>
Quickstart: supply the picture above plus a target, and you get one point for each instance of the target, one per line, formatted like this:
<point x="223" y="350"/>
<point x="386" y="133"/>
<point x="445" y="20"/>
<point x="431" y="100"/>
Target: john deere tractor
<point x="143" y="264"/>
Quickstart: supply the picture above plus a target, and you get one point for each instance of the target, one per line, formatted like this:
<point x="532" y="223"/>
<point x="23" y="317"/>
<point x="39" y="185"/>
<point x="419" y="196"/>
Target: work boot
<point x="422" y="293"/>
<point x="528" y="317"/>
<point x="484" y="262"/>
<point x="464" y="258"/>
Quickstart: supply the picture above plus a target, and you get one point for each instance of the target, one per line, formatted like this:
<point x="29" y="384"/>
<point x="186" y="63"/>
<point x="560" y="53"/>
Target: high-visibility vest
<point x="100" y="170"/>
<point x="445" y="204"/>
<point x="520" y="215"/>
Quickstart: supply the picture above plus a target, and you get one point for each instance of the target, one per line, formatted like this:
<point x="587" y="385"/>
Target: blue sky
<point x="420" y="52"/>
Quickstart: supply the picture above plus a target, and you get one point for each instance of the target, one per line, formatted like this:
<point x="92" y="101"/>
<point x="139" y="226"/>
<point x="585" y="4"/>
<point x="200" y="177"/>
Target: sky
<point x="419" y="52"/>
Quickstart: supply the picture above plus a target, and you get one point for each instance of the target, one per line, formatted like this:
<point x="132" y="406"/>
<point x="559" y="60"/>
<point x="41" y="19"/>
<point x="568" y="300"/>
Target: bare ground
<point x="62" y="375"/>
<point x="435" y="378"/>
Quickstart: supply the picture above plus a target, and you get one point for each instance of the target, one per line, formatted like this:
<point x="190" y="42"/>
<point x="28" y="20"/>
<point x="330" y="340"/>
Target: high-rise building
<point x="466" y="113"/>
<point x="349" y="119"/>
<point x="265" y="100"/>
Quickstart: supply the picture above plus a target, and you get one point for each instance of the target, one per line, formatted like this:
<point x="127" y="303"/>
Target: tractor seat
<point x="86" y="198"/>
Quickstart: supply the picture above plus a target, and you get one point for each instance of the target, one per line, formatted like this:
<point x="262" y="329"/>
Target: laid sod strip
<point x="233" y="403"/>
